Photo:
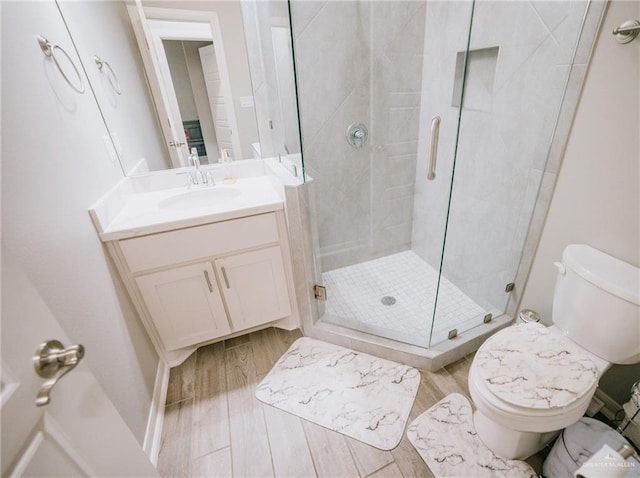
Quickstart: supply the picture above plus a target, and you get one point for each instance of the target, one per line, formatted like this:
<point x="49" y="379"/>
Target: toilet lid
<point x="529" y="366"/>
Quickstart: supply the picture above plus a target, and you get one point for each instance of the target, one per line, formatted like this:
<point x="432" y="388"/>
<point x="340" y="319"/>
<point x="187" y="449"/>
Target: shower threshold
<point x="430" y="359"/>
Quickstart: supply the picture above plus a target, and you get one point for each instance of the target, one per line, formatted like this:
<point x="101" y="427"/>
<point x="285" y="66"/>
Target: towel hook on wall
<point x="626" y="32"/>
<point x="105" y="68"/>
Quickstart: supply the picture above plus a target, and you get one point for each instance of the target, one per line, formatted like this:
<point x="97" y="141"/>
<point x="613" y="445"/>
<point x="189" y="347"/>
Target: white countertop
<point x="124" y="212"/>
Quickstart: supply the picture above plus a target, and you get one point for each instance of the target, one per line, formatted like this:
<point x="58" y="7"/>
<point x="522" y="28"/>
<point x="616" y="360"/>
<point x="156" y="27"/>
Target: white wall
<point x="54" y="166"/>
<point x="597" y="195"/>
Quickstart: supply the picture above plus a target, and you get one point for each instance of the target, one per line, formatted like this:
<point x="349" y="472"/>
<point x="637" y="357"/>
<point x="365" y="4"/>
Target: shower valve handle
<point x="357" y="135"/>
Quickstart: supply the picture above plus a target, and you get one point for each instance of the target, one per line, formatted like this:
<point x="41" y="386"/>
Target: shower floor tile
<point x="355" y="299"/>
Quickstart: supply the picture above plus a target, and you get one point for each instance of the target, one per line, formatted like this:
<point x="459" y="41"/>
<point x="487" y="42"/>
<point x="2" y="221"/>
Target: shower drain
<point x="388" y="300"/>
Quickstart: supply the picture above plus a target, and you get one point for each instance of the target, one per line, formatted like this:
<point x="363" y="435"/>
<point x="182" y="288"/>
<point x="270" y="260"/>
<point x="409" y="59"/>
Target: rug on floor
<point x="361" y="396"/>
<point x="446" y="439"/>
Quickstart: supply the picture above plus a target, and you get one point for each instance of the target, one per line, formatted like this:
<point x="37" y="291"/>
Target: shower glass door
<point x="517" y="67"/>
<point x="371" y="76"/>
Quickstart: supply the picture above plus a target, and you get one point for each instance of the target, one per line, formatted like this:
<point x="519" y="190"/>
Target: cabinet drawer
<point x="184" y="245"/>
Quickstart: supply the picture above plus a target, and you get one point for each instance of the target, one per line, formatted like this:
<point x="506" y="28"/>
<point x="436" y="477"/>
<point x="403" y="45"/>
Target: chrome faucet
<point x="198" y="179"/>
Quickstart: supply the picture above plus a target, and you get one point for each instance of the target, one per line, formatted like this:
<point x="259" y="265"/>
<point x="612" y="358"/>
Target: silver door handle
<point x="51" y="361"/>
<point x="224" y="276"/>
<point x="206" y="276"/>
<point x="433" y="148"/>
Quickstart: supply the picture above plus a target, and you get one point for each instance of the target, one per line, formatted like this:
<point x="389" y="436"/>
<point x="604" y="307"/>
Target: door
<point x="185" y="305"/>
<point x="164" y="101"/>
<point x="219" y="100"/>
<point x="444" y="71"/>
<point x="254" y="286"/>
<point x="79" y="433"/>
<point x="178" y="141"/>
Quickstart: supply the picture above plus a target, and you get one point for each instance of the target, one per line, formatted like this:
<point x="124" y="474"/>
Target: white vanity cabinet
<point x="199" y="283"/>
<point x="254" y="286"/>
<point x="185" y="305"/>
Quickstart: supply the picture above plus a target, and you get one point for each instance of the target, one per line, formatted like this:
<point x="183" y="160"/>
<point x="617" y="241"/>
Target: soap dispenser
<point x="226" y="160"/>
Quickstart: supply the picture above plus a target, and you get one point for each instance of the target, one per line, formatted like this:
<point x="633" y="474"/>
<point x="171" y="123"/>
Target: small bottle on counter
<point x="226" y="160"/>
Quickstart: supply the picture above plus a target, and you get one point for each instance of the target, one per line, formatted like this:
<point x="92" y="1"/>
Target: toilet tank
<point x="597" y="303"/>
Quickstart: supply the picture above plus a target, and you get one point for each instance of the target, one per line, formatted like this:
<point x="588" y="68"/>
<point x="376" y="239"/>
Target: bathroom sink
<point x="199" y="198"/>
<point x="133" y="210"/>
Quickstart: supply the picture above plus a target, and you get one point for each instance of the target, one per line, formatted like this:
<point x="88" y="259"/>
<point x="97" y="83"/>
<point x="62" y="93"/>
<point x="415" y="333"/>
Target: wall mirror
<point x="199" y="82"/>
<point x="169" y="76"/>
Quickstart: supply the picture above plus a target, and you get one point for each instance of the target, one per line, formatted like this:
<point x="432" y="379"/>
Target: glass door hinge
<point x="320" y="292"/>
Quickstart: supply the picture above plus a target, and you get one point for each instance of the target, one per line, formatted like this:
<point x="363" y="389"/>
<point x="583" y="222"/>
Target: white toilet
<point x="529" y="381"/>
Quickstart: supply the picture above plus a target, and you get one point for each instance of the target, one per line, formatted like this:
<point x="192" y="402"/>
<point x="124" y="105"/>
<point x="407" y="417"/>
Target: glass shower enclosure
<point x="426" y="130"/>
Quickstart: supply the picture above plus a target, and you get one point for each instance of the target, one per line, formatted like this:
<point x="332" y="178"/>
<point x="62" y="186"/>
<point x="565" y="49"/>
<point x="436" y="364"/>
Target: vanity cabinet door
<point x="254" y="286"/>
<point x="185" y="305"/>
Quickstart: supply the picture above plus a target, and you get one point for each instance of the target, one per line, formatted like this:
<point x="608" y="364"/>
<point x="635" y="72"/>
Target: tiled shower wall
<point x="360" y="62"/>
<point x="519" y="60"/>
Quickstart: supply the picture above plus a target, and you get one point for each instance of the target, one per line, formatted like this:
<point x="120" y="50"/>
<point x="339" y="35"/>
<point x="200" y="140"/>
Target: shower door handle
<point x="433" y="148"/>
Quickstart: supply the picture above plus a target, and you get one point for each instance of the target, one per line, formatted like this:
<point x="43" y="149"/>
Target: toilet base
<point x="507" y="443"/>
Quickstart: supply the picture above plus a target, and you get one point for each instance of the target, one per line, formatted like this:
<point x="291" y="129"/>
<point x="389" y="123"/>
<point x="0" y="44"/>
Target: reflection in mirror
<point x="234" y="90"/>
<point x="103" y="29"/>
<point x="193" y="96"/>
<point x="215" y="78"/>
<point x="268" y="37"/>
<point x="289" y="138"/>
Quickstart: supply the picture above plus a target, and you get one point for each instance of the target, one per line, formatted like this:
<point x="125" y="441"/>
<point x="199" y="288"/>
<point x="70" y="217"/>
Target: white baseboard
<point x="610" y="406"/>
<point x="153" y="435"/>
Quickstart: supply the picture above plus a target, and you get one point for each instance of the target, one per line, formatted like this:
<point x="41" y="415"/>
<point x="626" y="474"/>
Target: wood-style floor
<point x="214" y="426"/>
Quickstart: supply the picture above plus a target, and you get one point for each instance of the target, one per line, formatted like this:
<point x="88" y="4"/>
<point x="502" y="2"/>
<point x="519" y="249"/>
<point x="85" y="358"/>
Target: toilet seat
<point x="530" y="366"/>
<point x="528" y="414"/>
<point x="525" y="419"/>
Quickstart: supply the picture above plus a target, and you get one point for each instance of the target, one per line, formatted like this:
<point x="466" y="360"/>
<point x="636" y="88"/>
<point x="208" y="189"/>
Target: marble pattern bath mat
<point x="447" y="441"/>
<point x="361" y="396"/>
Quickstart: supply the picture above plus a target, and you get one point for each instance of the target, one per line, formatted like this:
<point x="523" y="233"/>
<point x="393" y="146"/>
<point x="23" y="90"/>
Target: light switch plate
<point x="246" y="102"/>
